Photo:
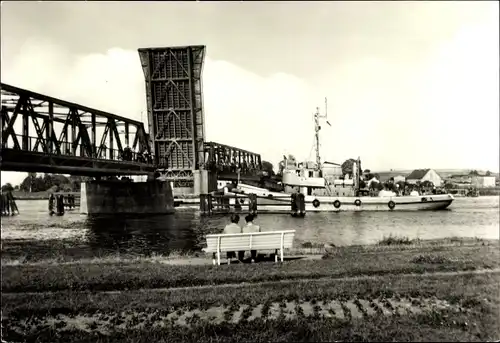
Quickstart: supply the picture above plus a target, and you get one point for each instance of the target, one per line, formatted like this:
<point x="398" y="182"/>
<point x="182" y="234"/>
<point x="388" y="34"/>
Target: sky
<point x="409" y="84"/>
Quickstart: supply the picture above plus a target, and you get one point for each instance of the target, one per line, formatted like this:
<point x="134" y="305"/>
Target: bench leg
<point x="218" y="258"/>
<point x="213" y="259"/>
<point x="276" y="256"/>
<point x="281" y="253"/>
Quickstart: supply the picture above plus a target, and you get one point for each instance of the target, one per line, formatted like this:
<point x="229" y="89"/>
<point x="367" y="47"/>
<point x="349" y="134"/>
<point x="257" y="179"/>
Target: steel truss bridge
<point x="44" y="134"/>
<point x="229" y="161"/>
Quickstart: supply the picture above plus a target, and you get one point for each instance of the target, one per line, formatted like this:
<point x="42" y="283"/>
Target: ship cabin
<point x="309" y="180"/>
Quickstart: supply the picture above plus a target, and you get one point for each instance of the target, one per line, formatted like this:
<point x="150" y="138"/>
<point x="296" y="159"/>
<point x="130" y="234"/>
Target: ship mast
<point x="317" y="127"/>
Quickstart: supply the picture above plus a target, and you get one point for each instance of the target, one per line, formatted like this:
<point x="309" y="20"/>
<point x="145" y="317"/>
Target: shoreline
<point x="483" y="192"/>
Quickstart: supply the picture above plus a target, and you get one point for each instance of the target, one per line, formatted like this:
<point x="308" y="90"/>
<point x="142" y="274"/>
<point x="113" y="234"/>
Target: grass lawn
<point x="470" y="312"/>
<point x="377" y="293"/>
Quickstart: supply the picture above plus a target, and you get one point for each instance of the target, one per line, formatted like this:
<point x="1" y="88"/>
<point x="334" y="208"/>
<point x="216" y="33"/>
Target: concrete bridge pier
<point x="107" y="197"/>
<point x="205" y="181"/>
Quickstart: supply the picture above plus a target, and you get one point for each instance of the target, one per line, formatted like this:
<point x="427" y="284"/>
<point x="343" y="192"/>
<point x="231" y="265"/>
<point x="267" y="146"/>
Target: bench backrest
<point x="250" y="241"/>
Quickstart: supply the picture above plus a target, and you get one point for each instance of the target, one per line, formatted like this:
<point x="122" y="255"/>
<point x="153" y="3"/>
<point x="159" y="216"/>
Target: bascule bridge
<point x="174" y="96"/>
<point x="41" y="133"/>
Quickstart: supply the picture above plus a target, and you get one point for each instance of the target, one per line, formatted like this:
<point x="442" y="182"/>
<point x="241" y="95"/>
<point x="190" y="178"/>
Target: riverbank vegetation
<point x="47" y="182"/>
<point x="37" y="187"/>
<point x="416" y="291"/>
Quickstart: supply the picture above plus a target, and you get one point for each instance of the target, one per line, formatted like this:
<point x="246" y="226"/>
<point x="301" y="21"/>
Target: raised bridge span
<point x="45" y="134"/>
<point x="41" y="133"/>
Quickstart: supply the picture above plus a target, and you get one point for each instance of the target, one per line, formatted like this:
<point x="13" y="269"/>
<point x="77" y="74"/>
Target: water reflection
<point x="144" y="235"/>
<point x="358" y="228"/>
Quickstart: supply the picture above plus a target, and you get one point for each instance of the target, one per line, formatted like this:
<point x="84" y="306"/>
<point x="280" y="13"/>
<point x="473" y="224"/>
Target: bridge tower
<point x="175" y="111"/>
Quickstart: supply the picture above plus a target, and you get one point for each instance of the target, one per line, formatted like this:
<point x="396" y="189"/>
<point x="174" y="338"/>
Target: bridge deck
<point x="28" y="161"/>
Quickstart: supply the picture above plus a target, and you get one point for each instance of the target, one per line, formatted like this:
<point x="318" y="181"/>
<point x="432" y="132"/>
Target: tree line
<point x="47" y="182"/>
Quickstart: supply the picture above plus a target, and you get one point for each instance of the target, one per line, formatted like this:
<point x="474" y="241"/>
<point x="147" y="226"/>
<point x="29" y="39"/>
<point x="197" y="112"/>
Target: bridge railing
<point x="241" y="168"/>
<point x="35" y="144"/>
<point x="228" y="159"/>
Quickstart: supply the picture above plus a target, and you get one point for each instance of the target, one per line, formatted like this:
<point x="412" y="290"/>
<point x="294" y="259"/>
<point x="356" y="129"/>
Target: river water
<point x="35" y="232"/>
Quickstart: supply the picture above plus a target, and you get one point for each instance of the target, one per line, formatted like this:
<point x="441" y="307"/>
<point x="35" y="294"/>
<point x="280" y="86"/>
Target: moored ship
<point x="327" y="189"/>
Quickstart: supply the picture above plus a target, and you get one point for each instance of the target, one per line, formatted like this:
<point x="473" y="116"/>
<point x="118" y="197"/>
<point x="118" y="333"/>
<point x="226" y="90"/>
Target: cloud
<point x="241" y="108"/>
<point x="440" y="111"/>
<point x="461" y="92"/>
<point x="268" y="115"/>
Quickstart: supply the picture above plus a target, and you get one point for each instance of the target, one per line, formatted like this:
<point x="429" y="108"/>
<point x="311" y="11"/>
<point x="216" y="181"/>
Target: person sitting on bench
<point x="233" y="227"/>
<point x="251" y="227"/>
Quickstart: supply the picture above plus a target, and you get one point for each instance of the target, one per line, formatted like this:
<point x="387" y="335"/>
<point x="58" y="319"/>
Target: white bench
<point x="271" y="240"/>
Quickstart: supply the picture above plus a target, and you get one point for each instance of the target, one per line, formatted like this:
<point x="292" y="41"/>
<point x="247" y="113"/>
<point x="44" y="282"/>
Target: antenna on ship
<point x="317" y="127"/>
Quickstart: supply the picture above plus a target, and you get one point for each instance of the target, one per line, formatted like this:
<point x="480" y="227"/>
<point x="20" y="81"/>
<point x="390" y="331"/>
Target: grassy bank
<point x="57" y="251"/>
<point x="393" y="291"/>
<point x="341" y="262"/>
<point x="21" y="195"/>
<point x="489" y="191"/>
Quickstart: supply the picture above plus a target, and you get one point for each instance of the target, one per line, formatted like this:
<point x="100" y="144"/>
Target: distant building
<point x="399" y="178"/>
<point x="421" y="175"/>
<point x="461" y="179"/>
<point x="386" y="176"/>
<point x="468" y="180"/>
<point x="482" y="181"/>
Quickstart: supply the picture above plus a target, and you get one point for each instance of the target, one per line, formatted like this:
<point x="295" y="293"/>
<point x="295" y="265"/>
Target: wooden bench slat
<point x="266" y="247"/>
<point x="287" y="239"/>
<point x="264" y="244"/>
<point x="243" y="241"/>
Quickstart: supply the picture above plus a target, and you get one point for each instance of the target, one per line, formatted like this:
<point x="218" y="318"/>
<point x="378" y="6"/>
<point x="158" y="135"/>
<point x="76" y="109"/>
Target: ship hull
<point x="273" y="201"/>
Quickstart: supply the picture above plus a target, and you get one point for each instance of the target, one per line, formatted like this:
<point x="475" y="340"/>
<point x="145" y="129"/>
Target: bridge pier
<point x="126" y="197"/>
<point x="205" y="181"/>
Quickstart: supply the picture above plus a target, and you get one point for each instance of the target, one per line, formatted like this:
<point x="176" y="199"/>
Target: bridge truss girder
<point x="80" y="145"/>
<point x="227" y="159"/>
<point x="175" y="107"/>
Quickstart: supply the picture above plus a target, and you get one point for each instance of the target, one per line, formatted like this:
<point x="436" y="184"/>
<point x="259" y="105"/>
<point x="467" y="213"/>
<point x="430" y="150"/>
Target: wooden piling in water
<point x="301" y="205"/>
<point x="206" y="204"/>
<point x="222" y="203"/>
<point x="8" y="204"/>
<point x="252" y="204"/>
<point x="60" y="204"/>
<point x="298" y="205"/>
